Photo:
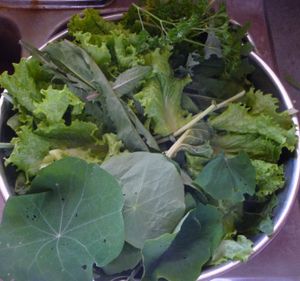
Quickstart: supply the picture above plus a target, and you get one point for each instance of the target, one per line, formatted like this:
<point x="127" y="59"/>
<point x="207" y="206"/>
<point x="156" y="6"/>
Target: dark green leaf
<point x="228" y="179"/>
<point x="72" y="219"/>
<point x="184" y="256"/>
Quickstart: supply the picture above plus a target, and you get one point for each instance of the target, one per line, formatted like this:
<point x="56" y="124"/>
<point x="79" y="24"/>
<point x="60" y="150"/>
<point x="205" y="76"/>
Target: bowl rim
<point x="293" y="187"/>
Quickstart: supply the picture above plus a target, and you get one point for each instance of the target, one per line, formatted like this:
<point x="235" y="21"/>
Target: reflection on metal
<point x="54" y="4"/>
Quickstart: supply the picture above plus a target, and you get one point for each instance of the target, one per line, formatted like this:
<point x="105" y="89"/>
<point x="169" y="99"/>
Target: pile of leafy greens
<point x="143" y="152"/>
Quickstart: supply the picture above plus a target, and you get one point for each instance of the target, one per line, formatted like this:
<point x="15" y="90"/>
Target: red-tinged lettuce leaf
<point x="228" y="178"/>
<point x="183" y="256"/>
<point x="29" y="151"/>
<point x="153" y="192"/>
<point x="72" y="219"/>
<point x="55" y="104"/>
<point x="161" y="96"/>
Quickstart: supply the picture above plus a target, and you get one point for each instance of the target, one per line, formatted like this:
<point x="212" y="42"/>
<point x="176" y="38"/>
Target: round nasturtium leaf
<point x="153" y="192"/>
<point x="71" y="219"/>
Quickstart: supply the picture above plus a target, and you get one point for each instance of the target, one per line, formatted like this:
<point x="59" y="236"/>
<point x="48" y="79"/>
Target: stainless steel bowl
<point x="263" y="78"/>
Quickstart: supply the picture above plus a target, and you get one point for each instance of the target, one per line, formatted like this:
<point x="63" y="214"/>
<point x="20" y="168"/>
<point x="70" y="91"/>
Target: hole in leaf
<point x="84" y="267"/>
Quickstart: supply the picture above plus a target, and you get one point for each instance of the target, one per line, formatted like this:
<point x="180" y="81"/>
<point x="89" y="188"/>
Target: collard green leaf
<point x="228" y="179"/>
<point x="184" y="255"/>
<point x="29" y="151"/>
<point x="153" y="192"/>
<point x="130" y="79"/>
<point x="128" y="259"/>
<point x="72" y="219"/>
<point x="161" y="96"/>
<point x="239" y="249"/>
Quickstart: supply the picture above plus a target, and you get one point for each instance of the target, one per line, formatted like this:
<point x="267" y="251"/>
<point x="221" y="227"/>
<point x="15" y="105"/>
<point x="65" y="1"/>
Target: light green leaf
<point x="153" y="192"/>
<point x="257" y="147"/>
<point x="29" y="151"/>
<point x="240" y="250"/>
<point x="55" y="104"/>
<point x="161" y="96"/>
<point x="183" y="257"/>
<point x="269" y="177"/>
<point x="72" y="219"/>
<point x="228" y="179"/>
<point x="237" y="119"/>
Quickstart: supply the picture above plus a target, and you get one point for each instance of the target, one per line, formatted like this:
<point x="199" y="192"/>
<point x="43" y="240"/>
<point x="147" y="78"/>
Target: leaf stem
<point x="171" y="152"/>
<point x="213" y="107"/>
<point x="6" y="145"/>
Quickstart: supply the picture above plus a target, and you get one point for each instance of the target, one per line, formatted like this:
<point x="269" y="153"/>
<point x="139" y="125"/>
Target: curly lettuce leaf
<point x="96" y="47"/>
<point x="161" y="96"/>
<point x="239" y="249"/>
<point x="90" y="21"/>
<point x="25" y="84"/>
<point x="266" y="104"/>
<point x="269" y="177"/>
<point x="257" y="147"/>
<point x="29" y="151"/>
<point x="55" y="104"/>
<point x="238" y="119"/>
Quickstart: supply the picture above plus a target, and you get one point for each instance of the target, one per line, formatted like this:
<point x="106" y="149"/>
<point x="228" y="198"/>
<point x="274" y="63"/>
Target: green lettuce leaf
<point x="96" y="47"/>
<point x="64" y="226"/>
<point x="232" y="250"/>
<point x="228" y="179"/>
<point x="25" y="84"/>
<point x="55" y="104"/>
<point x="257" y="147"/>
<point x="266" y="104"/>
<point x="161" y="96"/>
<point x="29" y="151"/>
<point x="269" y="177"/>
<point x="92" y="22"/>
<point x="238" y="119"/>
<point x="182" y="257"/>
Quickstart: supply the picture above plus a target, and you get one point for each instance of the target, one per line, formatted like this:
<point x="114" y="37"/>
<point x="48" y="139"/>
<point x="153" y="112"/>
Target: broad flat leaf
<point x="127" y="260"/>
<point x="200" y="234"/>
<point x="55" y="104"/>
<point x="240" y="249"/>
<point x="153" y="192"/>
<point x="29" y="151"/>
<point x="161" y="96"/>
<point x="228" y="179"/>
<point x="130" y="79"/>
<point x="72" y="219"/>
